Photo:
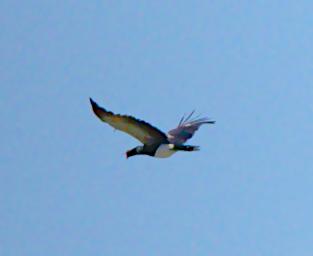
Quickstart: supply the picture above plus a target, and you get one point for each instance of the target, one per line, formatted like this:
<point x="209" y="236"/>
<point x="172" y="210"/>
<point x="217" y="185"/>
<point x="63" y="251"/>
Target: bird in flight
<point x="155" y="142"/>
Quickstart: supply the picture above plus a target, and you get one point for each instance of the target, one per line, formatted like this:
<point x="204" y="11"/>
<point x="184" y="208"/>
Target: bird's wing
<point x="139" y="129"/>
<point x="186" y="128"/>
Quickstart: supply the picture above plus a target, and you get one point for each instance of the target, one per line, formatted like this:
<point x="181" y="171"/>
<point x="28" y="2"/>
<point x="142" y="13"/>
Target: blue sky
<point x="66" y="187"/>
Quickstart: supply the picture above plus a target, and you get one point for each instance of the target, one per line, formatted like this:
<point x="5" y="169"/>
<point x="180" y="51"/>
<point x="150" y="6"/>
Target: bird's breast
<point x="164" y="150"/>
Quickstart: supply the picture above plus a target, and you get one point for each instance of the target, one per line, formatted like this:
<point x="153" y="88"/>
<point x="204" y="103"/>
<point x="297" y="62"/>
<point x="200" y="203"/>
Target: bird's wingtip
<point x="92" y="102"/>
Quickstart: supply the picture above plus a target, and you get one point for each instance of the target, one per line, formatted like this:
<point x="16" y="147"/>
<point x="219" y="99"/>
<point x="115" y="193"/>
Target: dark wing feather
<point x="139" y="129"/>
<point x="186" y="129"/>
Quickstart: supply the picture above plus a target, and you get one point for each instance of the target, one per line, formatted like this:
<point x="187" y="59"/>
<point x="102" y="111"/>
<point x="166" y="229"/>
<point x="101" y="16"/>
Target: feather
<point x="141" y="130"/>
<point x="187" y="128"/>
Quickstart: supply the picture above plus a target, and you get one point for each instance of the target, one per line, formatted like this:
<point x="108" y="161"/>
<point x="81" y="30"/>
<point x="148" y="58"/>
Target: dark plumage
<point x="155" y="142"/>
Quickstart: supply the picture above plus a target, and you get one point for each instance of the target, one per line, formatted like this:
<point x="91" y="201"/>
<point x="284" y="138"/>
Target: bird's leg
<point x="186" y="148"/>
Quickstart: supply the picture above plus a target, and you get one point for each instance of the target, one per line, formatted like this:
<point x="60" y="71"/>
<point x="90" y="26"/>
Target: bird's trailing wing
<point x="141" y="130"/>
<point x="186" y="128"/>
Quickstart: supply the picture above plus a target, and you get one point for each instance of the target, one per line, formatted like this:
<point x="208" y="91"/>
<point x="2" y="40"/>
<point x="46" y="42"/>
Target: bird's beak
<point x="126" y="155"/>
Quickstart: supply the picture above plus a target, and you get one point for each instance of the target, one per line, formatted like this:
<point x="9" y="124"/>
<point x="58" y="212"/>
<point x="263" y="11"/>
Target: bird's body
<point x="155" y="142"/>
<point x="164" y="150"/>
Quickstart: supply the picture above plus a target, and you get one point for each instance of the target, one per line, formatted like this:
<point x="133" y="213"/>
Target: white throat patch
<point x="165" y="150"/>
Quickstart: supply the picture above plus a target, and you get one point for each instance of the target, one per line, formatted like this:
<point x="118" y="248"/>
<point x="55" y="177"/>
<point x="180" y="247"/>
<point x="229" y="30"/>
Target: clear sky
<point x="65" y="185"/>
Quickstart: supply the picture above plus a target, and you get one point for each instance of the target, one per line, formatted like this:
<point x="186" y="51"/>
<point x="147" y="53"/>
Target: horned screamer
<point x="155" y="142"/>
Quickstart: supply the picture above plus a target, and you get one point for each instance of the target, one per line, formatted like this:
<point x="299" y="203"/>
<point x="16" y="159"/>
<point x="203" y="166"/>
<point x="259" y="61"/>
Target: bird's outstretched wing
<point x="186" y="128"/>
<point x="139" y="129"/>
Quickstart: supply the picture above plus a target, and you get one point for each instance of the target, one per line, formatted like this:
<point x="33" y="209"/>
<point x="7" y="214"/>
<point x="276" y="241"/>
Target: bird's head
<point x="135" y="151"/>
